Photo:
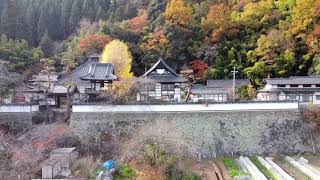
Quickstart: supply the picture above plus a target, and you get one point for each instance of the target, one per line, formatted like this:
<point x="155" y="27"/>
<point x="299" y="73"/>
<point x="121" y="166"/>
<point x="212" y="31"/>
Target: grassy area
<point x="285" y="165"/>
<point x="233" y="168"/>
<point x="124" y="172"/>
<point x="263" y="169"/>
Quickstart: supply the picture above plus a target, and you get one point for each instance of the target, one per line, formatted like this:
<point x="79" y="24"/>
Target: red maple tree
<point x="93" y="43"/>
<point x="200" y="68"/>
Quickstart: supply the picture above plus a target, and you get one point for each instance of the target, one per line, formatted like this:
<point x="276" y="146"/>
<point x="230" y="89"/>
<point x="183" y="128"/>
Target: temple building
<point x="89" y="80"/>
<point x="215" y="90"/>
<point x="164" y="84"/>
<point x="305" y="89"/>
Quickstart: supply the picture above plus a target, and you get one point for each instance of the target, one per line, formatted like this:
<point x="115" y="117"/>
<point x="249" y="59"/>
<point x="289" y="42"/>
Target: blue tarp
<point x="110" y="164"/>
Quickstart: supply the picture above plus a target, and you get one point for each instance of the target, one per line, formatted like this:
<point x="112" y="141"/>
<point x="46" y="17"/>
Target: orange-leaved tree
<point x="93" y="44"/>
<point x="179" y="13"/>
<point x="217" y="17"/>
<point x="138" y="23"/>
<point x="200" y="68"/>
<point x="314" y="40"/>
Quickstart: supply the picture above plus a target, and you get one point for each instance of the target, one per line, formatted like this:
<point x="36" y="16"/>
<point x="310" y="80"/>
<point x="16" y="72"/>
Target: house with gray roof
<point x="90" y="79"/>
<point x="164" y="84"/>
<point x="215" y="90"/>
<point x="33" y="90"/>
<point x="299" y="88"/>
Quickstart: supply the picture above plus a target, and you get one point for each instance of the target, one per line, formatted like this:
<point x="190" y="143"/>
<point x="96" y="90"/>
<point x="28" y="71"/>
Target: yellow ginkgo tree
<point x="118" y="54"/>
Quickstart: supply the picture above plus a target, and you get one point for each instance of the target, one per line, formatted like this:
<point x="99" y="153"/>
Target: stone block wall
<point x="23" y="118"/>
<point x="208" y="133"/>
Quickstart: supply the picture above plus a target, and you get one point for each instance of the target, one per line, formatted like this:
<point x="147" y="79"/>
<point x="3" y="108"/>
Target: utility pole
<point x="234" y="82"/>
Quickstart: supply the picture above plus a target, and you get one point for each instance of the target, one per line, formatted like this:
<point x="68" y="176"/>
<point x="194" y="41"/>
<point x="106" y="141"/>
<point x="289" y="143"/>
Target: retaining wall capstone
<point x="208" y="133"/>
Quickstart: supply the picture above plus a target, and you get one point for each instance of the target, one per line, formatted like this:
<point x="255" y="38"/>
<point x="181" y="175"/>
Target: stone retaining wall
<point x="23" y="118"/>
<point x="208" y="133"/>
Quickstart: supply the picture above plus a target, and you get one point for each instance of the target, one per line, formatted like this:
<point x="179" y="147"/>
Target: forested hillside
<point x="261" y="38"/>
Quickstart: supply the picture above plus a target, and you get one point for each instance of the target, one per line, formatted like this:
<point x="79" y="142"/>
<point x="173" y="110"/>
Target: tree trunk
<point x="47" y="108"/>
<point x="68" y="105"/>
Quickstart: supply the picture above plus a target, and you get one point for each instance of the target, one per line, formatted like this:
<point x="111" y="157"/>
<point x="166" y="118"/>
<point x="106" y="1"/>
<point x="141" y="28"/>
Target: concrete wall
<point x="187" y="107"/>
<point x="18" y="108"/>
<point x="209" y="133"/>
<point x="13" y="118"/>
<point x="17" y="114"/>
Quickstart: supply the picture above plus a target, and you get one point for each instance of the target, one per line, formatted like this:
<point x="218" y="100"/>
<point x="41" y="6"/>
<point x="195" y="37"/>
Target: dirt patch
<point x="224" y="171"/>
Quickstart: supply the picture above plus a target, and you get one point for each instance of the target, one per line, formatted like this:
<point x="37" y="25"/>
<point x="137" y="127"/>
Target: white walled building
<point x="215" y="90"/>
<point x="299" y="88"/>
<point x="164" y="84"/>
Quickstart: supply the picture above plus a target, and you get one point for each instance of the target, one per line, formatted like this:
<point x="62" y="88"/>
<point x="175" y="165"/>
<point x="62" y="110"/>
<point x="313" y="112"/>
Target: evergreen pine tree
<point x="88" y="10"/>
<point x="23" y="28"/>
<point x="43" y="20"/>
<point x="75" y="16"/>
<point x="32" y="19"/>
<point x="102" y="7"/>
<point x="46" y="45"/>
<point x="54" y="24"/>
<point x="9" y="19"/>
<point x="65" y="17"/>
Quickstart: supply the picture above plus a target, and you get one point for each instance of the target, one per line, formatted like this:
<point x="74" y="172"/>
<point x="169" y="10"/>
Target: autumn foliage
<point x="217" y="17"/>
<point x="312" y="114"/>
<point x="117" y="53"/>
<point x="156" y="41"/>
<point x="314" y="40"/>
<point x="200" y="68"/>
<point x="93" y="43"/>
<point x="179" y="13"/>
<point x="138" y="23"/>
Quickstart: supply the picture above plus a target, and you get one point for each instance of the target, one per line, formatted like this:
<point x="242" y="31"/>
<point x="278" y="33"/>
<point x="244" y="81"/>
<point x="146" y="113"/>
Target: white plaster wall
<point x="315" y="101"/>
<point x="186" y="107"/>
<point x="18" y="108"/>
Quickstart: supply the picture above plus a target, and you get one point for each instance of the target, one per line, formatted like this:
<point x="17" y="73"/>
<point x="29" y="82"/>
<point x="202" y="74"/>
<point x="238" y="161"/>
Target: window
<point x="317" y="85"/>
<point x="317" y="97"/>
<point x="307" y="85"/>
<point x="151" y="87"/>
<point x="294" y="85"/>
<point x="292" y="97"/>
<point x="167" y="87"/>
<point x="281" y="85"/>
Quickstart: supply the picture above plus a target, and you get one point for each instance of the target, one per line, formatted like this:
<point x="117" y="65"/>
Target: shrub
<point x="125" y="171"/>
<point x="173" y="172"/>
<point x="312" y="114"/>
<point x="68" y="141"/>
<point x="86" y="167"/>
<point x="5" y="157"/>
<point x="193" y="177"/>
<point x="38" y="118"/>
<point x="157" y="156"/>
<point x="176" y="171"/>
<point x="234" y="170"/>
